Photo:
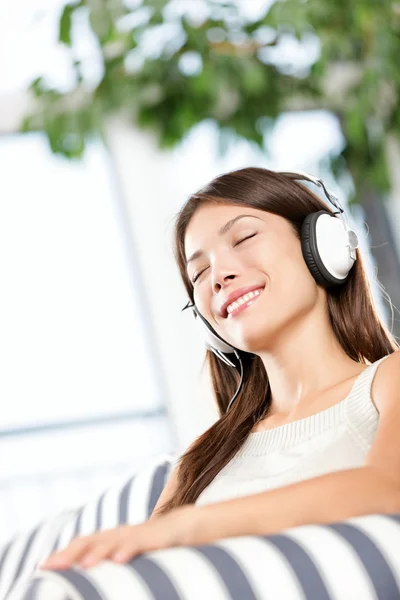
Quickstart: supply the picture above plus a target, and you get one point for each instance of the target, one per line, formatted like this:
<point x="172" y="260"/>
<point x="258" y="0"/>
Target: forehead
<point x="209" y="220"/>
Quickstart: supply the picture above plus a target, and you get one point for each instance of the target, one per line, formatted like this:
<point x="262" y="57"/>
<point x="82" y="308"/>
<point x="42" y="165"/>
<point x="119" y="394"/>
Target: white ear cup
<point x="335" y="244"/>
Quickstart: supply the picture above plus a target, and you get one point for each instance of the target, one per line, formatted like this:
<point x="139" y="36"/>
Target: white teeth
<point x="242" y="300"/>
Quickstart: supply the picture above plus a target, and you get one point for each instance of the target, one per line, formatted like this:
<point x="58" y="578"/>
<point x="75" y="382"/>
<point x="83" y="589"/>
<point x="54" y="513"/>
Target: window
<point x="81" y="400"/>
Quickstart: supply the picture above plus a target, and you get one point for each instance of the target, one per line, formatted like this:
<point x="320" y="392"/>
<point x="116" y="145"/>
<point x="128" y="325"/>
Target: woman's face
<point x="270" y="259"/>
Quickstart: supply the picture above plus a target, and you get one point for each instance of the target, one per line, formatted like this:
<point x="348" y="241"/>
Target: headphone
<point x="329" y="250"/>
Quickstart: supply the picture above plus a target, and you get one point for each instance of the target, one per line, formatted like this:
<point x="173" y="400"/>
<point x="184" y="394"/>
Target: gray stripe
<point x="55" y="545"/>
<point x="309" y="577"/>
<point x="78" y="522"/>
<point x="157" y="486"/>
<point x="3" y="560"/>
<point x="155" y="578"/>
<point x="31" y="591"/>
<point x="230" y="572"/>
<point x="27" y="548"/>
<point x="374" y="562"/>
<point x="5" y="553"/>
<point x="57" y="541"/>
<point x="395" y="518"/>
<point x="22" y="560"/>
<point x="99" y="511"/>
<point x="82" y="582"/>
<point x="124" y="502"/>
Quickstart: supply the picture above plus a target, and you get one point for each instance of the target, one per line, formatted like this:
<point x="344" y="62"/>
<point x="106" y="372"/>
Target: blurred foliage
<point x="169" y="68"/>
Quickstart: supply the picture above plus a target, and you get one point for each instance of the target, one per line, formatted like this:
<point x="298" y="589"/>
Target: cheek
<point x="202" y="300"/>
<point x="300" y="289"/>
<point x="294" y="263"/>
<point x="291" y="278"/>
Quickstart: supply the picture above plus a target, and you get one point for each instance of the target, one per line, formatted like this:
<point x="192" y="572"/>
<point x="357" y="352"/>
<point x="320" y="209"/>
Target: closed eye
<point x="237" y="244"/>
<point x="246" y="238"/>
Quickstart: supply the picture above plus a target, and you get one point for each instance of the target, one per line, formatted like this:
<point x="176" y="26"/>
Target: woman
<point x="312" y="437"/>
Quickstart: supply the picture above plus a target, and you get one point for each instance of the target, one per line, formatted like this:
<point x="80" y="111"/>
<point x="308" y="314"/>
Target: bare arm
<point x="325" y="499"/>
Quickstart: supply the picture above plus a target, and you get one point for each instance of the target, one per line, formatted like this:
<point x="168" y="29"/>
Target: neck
<point x="304" y="362"/>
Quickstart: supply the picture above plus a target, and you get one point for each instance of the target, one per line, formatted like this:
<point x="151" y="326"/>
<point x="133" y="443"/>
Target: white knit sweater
<point x="336" y="438"/>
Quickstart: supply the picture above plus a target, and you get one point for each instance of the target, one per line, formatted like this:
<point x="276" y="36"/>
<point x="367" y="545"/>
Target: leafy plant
<point x="211" y="62"/>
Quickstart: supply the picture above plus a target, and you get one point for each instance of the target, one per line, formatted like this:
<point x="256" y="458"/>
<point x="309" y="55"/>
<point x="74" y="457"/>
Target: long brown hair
<point x="353" y="316"/>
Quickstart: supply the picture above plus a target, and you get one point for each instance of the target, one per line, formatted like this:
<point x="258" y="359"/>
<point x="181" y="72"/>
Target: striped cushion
<point x="357" y="559"/>
<point x="132" y="501"/>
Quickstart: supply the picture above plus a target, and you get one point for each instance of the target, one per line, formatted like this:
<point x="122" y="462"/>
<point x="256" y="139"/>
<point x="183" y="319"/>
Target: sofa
<point x="357" y="559"/>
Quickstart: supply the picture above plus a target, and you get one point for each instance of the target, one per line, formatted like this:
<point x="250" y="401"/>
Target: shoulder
<point x="385" y="388"/>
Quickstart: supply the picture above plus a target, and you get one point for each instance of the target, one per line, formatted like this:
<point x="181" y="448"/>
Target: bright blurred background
<point x="111" y="114"/>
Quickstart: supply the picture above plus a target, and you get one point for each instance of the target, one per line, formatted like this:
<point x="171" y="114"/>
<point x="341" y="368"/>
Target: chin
<point x="253" y="344"/>
<point x="256" y="338"/>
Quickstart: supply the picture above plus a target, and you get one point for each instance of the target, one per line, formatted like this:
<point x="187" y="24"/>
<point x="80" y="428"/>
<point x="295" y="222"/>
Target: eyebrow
<point x="224" y="229"/>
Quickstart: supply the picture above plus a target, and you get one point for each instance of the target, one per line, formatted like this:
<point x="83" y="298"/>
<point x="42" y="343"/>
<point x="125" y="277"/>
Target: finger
<point x="131" y="548"/>
<point x="125" y="553"/>
<point x="67" y="557"/>
<point x="97" y="553"/>
<point x="106" y="548"/>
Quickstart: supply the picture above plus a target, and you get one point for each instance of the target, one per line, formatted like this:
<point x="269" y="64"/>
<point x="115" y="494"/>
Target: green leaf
<point x="355" y="126"/>
<point x="101" y="23"/>
<point x="37" y="87"/>
<point x="26" y="125"/>
<point x="64" y="31"/>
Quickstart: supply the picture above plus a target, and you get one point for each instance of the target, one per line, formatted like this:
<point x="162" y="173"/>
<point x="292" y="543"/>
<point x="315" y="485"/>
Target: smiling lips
<point x="243" y="302"/>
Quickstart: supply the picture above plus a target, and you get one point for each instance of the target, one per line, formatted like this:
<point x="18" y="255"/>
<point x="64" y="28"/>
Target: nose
<point x="223" y="270"/>
<point x="220" y="280"/>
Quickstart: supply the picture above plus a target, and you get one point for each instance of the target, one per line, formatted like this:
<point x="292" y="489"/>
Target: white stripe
<point x="385" y="533"/>
<point x="138" y="497"/>
<point x="88" y="518"/>
<point x="42" y="544"/>
<point x="267" y="570"/>
<point x="140" y="491"/>
<point x="192" y="574"/>
<point x="66" y="534"/>
<point x="117" y="582"/>
<point x="11" y="562"/>
<point x="17" y="591"/>
<point x="110" y="507"/>
<point x="338" y="563"/>
<point x="54" y="587"/>
<point x="48" y="589"/>
<point x="55" y="530"/>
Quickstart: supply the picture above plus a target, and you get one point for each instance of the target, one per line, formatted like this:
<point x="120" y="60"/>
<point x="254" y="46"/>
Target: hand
<point x="123" y="543"/>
